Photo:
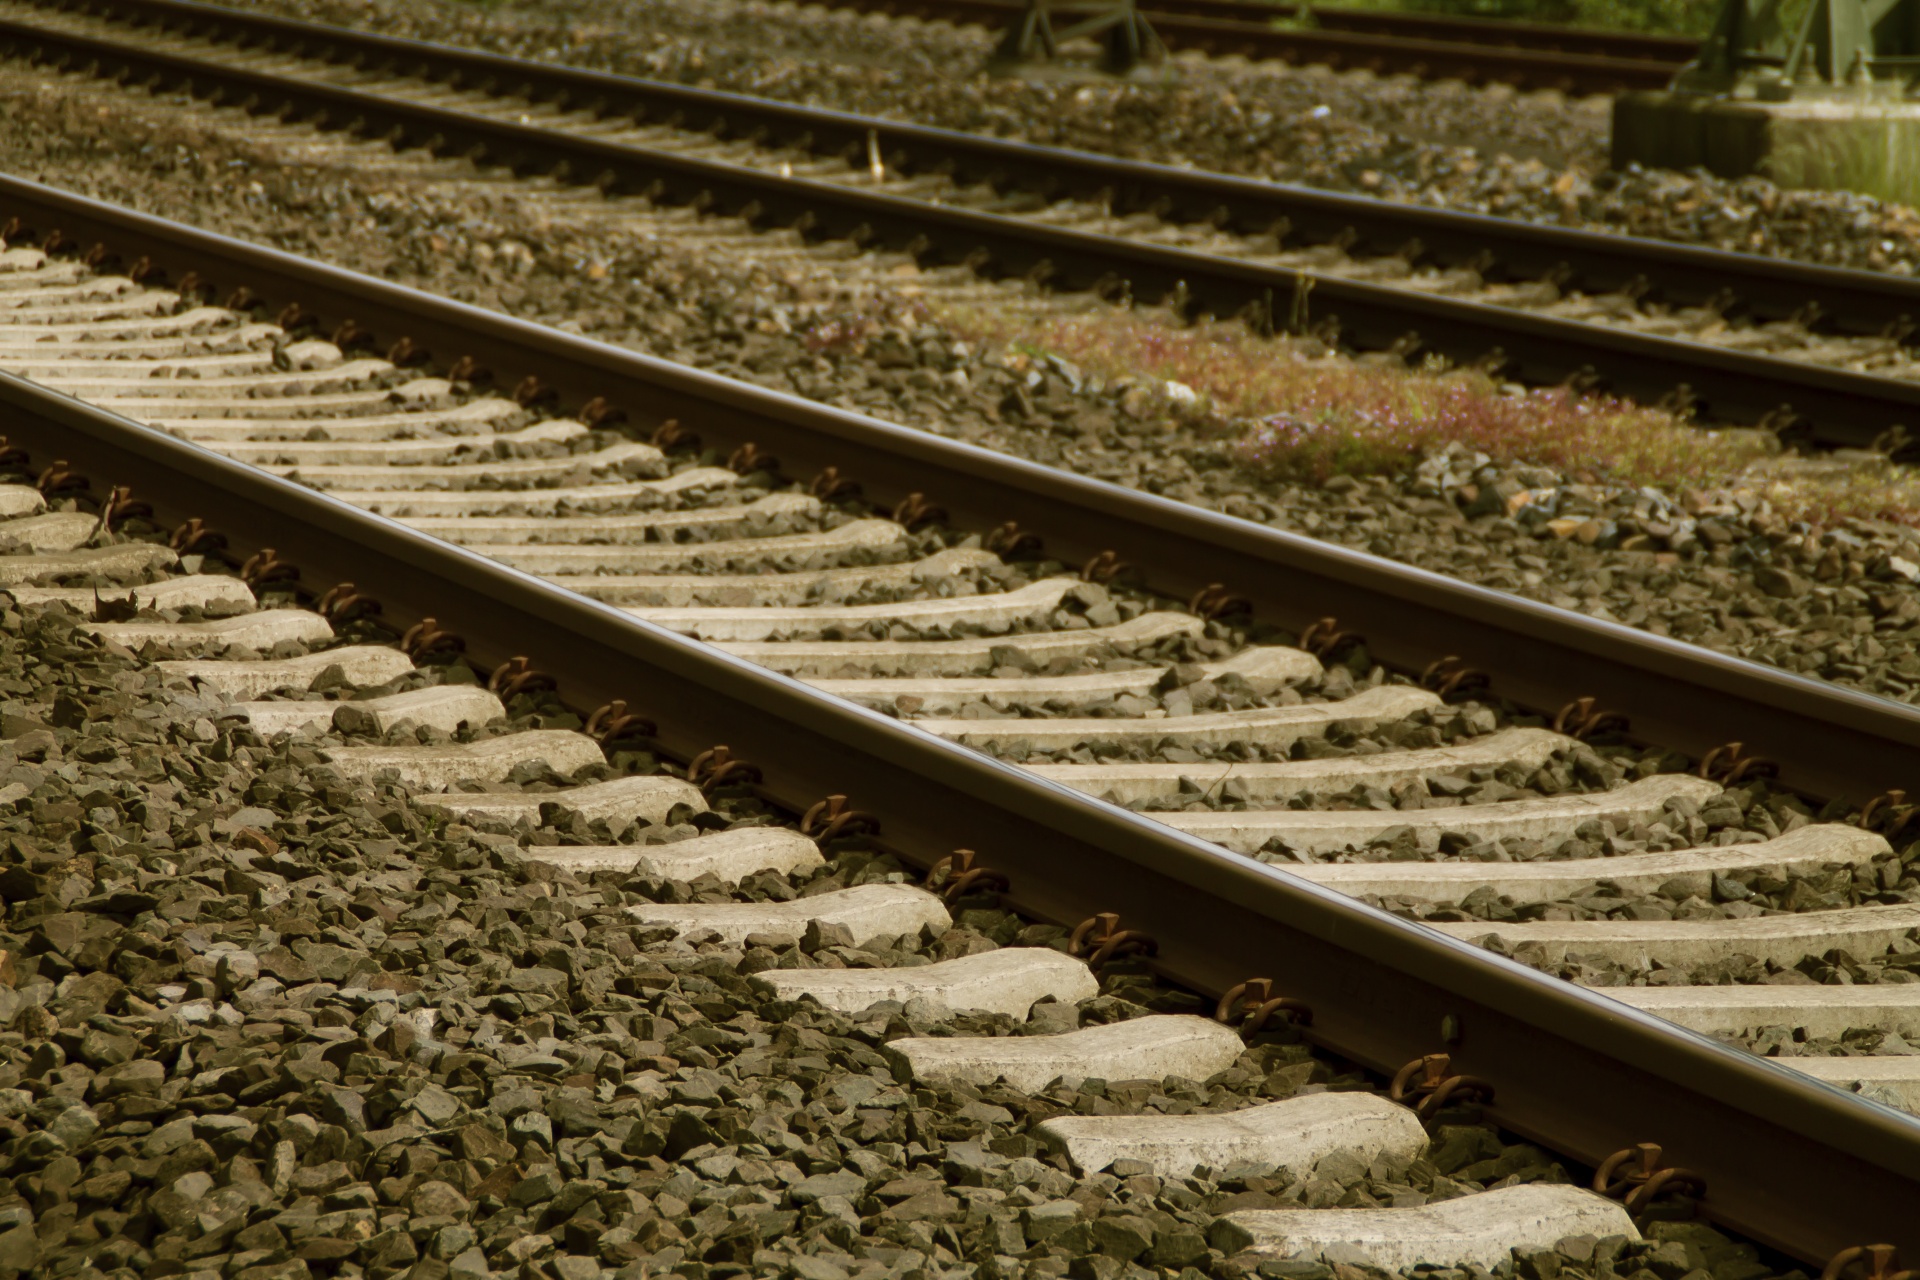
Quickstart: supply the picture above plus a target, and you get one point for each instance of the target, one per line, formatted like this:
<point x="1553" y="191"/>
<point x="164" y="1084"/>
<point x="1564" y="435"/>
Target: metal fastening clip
<point x="1583" y="717"/>
<point x="1635" y="1178"/>
<point x="1428" y="1084"/>
<point x="1255" y="1000"/>
<point x="1879" y="1260"/>
<point x="1010" y="542"/>
<point x="670" y="435"/>
<point x="1104" y="567"/>
<point x="749" y="458"/>
<point x="1729" y="765"/>
<point x="718" y="766"/>
<point x="964" y="875"/>
<point x="612" y="722"/>
<point x="1323" y="637"/>
<point x="830" y="485"/>
<point x="425" y="638"/>
<point x="1099" y="938"/>
<point x="1449" y="675"/>
<point x="342" y="601"/>
<point x="1214" y="601"/>
<point x="914" y="510"/>
<point x="516" y="676"/>
<point x="831" y="817"/>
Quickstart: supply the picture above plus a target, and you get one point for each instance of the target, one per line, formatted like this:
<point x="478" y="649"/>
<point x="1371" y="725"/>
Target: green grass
<point x="1873" y="157"/>
<point x="1661" y="17"/>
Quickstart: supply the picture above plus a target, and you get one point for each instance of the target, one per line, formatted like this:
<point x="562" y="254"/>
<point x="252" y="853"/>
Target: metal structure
<point x="1122" y="29"/>
<point x="1849" y="47"/>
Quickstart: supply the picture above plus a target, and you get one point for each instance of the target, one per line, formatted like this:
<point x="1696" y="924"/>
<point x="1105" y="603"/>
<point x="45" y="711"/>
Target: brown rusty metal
<point x="406" y="353"/>
<point x="1429" y="1083"/>
<point x="611" y="722"/>
<point x="830" y="485"/>
<point x="1253" y="1004"/>
<point x="1892" y="801"/>
<point x="1010" y="542"/>
<point x="1583" y="717"/>
<point x="1099" y="938"/>
<point x="1104" y="567"/>
<point x="346" y="333"/>
<point x="600" y="412"/>
<point x="265" y="567"/>
<point x="914" y="510"/>
<point x="831" y="817"/>
<point x="1866" y="1262"/>
<point x="425" y="639"/>
<point x="289" y="317"/>
<point x="1729" y="765"/>
<point x="122" y="505"/>
<point x="670" y="435"/>
<point x="1324" y="636"/>
<point x="1449" y="676"/>
<point x="61" y="478"/>
<point x="343" y="601"/>
<point x="1636" y="1177"/>
<point x="518" y="675"/>
<point x="961" y="873"/>
<point x="192" y="537"/>
<point x="749" y="458"/>
<point x="530" y="391"/>
<point x="1214" y="602"/>
<point x="718" y="766"/>
<point x="10" y="456"/>
<point x="467" y="369"/>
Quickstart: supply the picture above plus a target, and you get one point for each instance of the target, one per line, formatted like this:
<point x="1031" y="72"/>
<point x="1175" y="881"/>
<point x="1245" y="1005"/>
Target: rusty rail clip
<point x="830" y="486"/>
<point x="61" y="478"/>
<point x="1098" y="939"/>
<point x="1104" y="567"/>
<point x="1010" y="542"/>
<point x="265" y="567"/>
<point x="612" y="722"/>
<point x="1214" y="601"/>
<point x="1256" y="1000"/>
<point x="964" y="875"/>
<point x="600" y="412"/>
<point x="1879" y="1259"/>
<point x="194" y="538"/>
<point x="1635" y="1178"/>
<point x="424" y="638"/>
<point x="831" y="817"/>
<point x="1449" y="675"/>
<point x="1323" y="637"/>
<point x="518" y="675"/>
<point x="914" y="510"/>
<point x="342" y="601"/>
<point x="749" y="458"/>
<point x="1435" y="1087"/>
<point x="717" y="766"/>
<point x="122" y="505"/>
<point x="670" y="435"/>
<point x="1728" y="765"/>
<point x="1583" y="716"/>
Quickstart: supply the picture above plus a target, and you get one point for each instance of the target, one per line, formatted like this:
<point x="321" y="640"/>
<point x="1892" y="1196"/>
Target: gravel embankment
<point x="269" y="1024"/>
<point x="1537" y="157"/>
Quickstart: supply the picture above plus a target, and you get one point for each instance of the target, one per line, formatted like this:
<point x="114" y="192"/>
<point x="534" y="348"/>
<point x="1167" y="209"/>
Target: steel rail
<point x="1865" y="301"/>
<point x="1789" y="1162"/>
<point x="1435" y="54"/>
<point x="1835" y="407"/>
<point x="1497" y="32"/>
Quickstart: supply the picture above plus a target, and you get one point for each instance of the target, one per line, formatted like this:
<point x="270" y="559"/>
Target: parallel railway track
<point x="1816" y="353"/>
<point x="1424" y="45"/>
<point x="1001" y="665"/>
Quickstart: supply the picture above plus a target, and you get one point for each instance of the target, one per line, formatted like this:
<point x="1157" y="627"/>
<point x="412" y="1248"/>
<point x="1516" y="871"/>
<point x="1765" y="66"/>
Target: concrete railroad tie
<point x="1280" y="781"/>
<point x="363" y="665"/>
<point x="732" y="590"/>
<point x="210" y="592"/>
<point x="620" y="802"/>
<point x="1471" y="1231"/>
<point x="728" y="856"/>
<point x="1149" y="1048"/>
<point x="129" y="560"/>
<point x="1001" y="609"/>
<point x="532" y="502"/>
<point x="869" y="911"/>
<point x="1276" y="728"/>
<point x="977" y="656"/>
<point x="1328" y="831"/>
<point x="1007" y="981"/>
<point x="490" y="760"/>
<point x="1291" y="1135"/>
<point x="260" y="630"/>
<point x="445" y="707"/>
<point x="1783" y="940"/>
<point x="1806" y="850"/>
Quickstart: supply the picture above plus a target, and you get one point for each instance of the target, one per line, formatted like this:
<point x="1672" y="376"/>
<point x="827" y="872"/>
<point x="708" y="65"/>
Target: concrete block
<point x="1149" y="1048"/>
<point x="1005" y="981"/>
<point x="870" y="911"/>
<point x="1291" y="1135"/>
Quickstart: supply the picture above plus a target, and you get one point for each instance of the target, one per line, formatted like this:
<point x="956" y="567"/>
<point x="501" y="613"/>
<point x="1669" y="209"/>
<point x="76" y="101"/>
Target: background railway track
<point x="1814" y="352"/>
<point x="1428" y="46"/>
<point x="1837" y="742"/>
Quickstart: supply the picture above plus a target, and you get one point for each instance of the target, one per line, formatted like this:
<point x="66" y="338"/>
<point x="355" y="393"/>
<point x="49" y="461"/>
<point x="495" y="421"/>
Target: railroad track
<point x="1014" y="690"/>
<point x="1816" y="353"/>
<point x="1423" y="45"/>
